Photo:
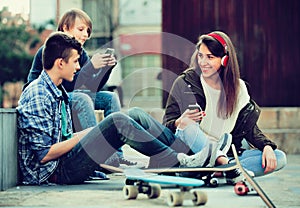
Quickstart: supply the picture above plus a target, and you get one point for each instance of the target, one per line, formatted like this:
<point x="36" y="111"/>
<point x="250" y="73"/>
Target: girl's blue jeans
<point x="251" y="159"/>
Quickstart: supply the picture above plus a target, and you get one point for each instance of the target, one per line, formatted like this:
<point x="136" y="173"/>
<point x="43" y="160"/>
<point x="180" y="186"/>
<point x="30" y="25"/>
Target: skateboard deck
<point x="137" y="181"/>
<point x="207" y="172"/>
<point x="133" y="174"/>
<point x="225" y="168"/>
<point x="241" y="188"/>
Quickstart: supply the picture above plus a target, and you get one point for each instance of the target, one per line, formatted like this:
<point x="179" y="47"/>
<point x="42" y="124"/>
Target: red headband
<point x="220" y="40"/>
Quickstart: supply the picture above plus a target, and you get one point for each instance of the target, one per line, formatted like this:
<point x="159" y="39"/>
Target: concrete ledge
<point x="8" y="149"/>
<point x="282" y="125"/>
<point x="280" y="118"/>
<point x="287" y="140"/>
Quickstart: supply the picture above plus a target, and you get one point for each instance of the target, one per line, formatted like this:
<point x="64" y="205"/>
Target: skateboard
<point x="137" y="181"/>
<point x="242" y="188"/>
<point x="206" y="174"/>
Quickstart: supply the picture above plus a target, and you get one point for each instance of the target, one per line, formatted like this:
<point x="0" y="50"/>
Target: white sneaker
<point x="208" y="155"/>
<point x="196" y="160"/>
<point x="226" y="140"/>
<point x="222" y="145"/>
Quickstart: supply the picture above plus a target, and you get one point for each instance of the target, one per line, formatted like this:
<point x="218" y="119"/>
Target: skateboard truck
<point x="175" y="198"/>
<point x="133" y="187"/>
<point x="210" y="180"/>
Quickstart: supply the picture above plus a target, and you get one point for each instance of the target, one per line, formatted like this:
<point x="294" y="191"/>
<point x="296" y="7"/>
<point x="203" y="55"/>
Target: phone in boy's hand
<point x="110" y="51"/>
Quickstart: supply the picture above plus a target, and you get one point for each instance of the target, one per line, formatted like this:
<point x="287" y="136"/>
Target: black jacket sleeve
<point x="246" y="128"/>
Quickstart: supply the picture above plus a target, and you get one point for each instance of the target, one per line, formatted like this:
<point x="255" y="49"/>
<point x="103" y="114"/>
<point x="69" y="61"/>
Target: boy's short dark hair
<point x="59" y="45"/>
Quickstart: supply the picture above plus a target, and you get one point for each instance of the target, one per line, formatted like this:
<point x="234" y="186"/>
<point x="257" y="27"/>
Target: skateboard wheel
<point x="130" y="192"/>
<point x="175" y="199"/>
<point x="200" y="198"/>
<point x="155" y="190"/>
<point x="241" y="189"/>
<point x="214" y="182"/>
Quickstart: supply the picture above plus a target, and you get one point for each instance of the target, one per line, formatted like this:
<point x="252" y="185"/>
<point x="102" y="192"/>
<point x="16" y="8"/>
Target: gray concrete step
<point x="282" y="188"/>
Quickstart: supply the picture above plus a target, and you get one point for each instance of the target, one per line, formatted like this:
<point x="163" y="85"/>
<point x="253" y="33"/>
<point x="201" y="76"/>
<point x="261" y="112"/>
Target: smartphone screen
<point x="195" y="106"/>
<point x="110" y="51"/>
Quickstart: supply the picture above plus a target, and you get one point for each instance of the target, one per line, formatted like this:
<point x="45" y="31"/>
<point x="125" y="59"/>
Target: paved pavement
<point x="283" y="188"/>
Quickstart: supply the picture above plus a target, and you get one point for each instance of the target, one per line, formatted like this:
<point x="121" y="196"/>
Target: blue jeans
<point x="158" y="130"/>
<point x="138" y="130"/>
<point x="107" y="101"/>
<point x="193" y="137"/>
<point x="83" y="115"/>
<point x="252" y="160"/>
<point x="84" y="102"/>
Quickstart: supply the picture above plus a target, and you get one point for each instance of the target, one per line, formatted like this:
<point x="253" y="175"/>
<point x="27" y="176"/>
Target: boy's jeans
<point x="138" y="130"/>
<point x="84" y="102"/>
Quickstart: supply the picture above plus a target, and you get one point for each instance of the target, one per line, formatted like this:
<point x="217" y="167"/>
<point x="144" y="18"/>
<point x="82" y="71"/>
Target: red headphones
<point x="221" y="40"/>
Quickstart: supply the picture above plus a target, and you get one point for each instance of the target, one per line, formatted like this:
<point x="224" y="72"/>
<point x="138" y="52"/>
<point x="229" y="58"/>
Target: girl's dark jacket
<point x="187" y="89"/>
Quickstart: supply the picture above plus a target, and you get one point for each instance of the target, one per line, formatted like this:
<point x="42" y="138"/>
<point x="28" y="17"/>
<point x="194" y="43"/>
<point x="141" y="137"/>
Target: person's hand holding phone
<point x="112" y="61"/>
<point x="195" y="112"/>
<point x="101" y="60"/>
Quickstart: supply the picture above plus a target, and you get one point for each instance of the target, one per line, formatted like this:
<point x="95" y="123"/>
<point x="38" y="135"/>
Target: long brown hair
<point x="229" y="75"/>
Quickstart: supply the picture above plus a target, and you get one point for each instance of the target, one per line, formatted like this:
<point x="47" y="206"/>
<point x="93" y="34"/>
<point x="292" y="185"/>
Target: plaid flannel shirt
<point x="39" y="127"/>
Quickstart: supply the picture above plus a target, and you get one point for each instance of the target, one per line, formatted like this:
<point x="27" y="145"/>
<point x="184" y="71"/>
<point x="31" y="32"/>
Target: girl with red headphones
<point x="226" y="108"/>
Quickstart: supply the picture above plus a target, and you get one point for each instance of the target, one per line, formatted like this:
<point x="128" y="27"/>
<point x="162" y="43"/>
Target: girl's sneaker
<point x="220" y="148"/>
<point x="234" y="176"/>
<point x="197" y="160"/>
<point x="208" y="155"/>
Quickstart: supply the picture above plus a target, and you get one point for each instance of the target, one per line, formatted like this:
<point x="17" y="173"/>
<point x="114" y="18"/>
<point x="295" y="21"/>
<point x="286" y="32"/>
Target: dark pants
<point x="137" y="129"/>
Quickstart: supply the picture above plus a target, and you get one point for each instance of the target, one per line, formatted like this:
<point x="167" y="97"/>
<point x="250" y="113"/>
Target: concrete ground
<point x="282" y="187"/>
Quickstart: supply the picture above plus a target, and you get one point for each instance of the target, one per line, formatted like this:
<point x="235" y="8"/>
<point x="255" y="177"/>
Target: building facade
<point x="133" y="28"/>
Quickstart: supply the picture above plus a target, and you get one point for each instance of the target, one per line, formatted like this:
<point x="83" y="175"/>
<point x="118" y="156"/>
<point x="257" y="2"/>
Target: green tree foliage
<point x="14" y="58"/>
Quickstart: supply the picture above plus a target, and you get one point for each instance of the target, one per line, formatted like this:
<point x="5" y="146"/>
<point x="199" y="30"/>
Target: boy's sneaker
<point x="124" y="161"/>
<point x="113" y="160"/>
<point x="196" y="160"/>
<point x="98" y="175"/>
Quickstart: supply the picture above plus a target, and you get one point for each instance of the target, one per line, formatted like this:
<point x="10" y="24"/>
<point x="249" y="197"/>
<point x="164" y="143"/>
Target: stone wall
<point x="8" y="149"/>
<point x="282" y="125"/>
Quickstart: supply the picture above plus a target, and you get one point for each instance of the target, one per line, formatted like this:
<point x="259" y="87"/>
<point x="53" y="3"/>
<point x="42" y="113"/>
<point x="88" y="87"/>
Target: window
<point x="140" y="84"/>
